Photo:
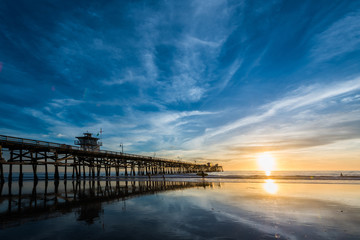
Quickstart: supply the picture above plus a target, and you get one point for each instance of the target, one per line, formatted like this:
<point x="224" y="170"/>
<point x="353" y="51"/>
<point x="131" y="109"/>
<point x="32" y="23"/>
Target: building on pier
<point x="88" y="142"/>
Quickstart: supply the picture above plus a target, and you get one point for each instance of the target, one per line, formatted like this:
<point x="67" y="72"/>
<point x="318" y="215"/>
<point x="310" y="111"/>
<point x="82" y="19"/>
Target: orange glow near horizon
<point x="266" y="162"/>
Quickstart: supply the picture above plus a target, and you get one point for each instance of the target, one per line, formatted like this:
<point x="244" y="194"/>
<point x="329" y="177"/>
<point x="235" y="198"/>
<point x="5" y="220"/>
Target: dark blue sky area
<point x="188" y="79"/>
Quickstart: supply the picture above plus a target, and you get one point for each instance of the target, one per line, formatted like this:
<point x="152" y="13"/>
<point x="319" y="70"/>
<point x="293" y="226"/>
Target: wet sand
<point x="266" y="209"/>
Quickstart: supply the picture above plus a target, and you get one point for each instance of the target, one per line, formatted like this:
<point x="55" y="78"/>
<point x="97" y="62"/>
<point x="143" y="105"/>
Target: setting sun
<point x="266" y="162"/>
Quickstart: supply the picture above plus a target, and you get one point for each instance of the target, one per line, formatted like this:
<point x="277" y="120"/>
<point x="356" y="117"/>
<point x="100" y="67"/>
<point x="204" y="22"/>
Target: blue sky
<point x="199" y="80"/>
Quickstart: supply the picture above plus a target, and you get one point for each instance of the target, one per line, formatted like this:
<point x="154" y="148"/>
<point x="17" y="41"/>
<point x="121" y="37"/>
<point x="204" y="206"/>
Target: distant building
<point x="88" y="142"/>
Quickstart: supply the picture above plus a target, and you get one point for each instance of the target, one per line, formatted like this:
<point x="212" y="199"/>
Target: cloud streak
<point x="301" y="98"/>
<point x="340" y="38"/>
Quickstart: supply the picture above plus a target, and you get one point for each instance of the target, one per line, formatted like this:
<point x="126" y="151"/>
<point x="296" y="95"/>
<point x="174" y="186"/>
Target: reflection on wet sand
<point x="292" y="210"/>
<point x="270" y="186"/>
<point x="32" y="201"/>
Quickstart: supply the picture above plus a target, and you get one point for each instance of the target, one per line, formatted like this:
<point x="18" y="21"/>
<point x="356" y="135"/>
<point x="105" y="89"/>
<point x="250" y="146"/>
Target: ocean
<point x="293" y="174"/>
<point x="287" y="175"/>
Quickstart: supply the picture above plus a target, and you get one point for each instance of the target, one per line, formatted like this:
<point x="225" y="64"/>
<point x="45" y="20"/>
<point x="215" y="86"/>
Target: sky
<point x="200" y="80"/>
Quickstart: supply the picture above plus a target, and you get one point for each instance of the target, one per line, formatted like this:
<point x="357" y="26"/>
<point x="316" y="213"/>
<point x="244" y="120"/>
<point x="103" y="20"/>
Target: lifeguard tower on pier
<point x="88" y="142"/>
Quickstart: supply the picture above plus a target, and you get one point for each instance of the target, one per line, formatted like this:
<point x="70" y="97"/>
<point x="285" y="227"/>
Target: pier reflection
<point x="37" y="200"/>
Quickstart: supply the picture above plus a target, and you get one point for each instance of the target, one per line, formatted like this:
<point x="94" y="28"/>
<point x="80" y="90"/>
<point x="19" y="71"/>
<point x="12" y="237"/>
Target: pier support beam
<point x="65" y="171"/>
<point x="132" y="172"/>
<point x="34" y="165"/>
<point x="93" y="170"/>
<point x="84" y="172"/>
<point x="10" y="173"/>
<point x="56" y="175"/>
<point x="2" y="177"/>
<point x="21" y="167"/>
<point x="117" y="171"/>
<point x="46" y="167"/>
<point x="73" y="171"/>
<point x="98" y="167"/>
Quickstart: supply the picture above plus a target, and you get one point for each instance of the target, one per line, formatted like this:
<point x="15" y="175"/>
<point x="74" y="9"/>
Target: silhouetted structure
<point x="85" y="161"/>
<point x="88" y="142"/>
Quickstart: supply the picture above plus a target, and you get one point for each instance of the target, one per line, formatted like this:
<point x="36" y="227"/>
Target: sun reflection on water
<point x="270" y="186"/>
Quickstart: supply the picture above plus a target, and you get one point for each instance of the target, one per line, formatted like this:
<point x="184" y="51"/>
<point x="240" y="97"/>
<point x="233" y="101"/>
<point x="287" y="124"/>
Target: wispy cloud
<point x="340" y="38"/>
<point x="300" y="108"/>
<point x="60" y="103"/>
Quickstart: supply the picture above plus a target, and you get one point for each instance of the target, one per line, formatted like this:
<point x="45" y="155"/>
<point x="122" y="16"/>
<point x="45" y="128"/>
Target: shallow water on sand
<point x="161" y="209"/>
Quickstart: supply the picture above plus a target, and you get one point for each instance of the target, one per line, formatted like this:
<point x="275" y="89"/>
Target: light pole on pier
<point x="122" y="147"/>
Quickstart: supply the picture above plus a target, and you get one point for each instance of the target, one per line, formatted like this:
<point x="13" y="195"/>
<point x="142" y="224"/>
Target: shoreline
<point x="195" y="177"/>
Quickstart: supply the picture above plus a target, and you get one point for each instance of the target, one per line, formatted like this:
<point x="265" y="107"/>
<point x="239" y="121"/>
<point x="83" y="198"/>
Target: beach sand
<point x="265" y="209"/>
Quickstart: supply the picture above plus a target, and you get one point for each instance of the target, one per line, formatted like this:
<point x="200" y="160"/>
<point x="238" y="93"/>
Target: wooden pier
<point x="84" y="161"/>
